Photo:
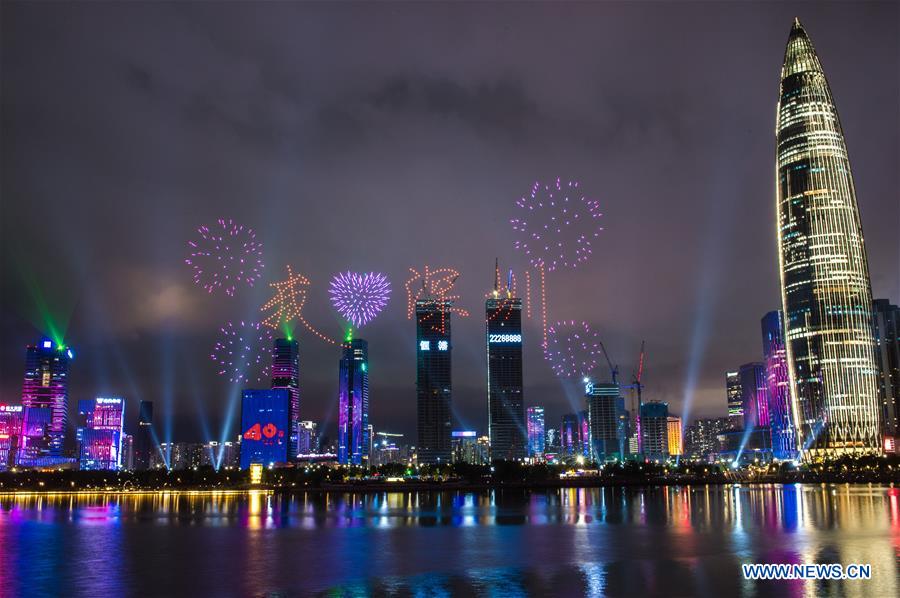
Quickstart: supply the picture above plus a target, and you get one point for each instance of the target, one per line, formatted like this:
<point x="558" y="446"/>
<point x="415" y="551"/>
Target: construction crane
<point x="613" y="369"/>
<point x="638" y="386"/>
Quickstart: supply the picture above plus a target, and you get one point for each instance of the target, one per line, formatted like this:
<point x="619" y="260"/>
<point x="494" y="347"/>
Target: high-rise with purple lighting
<point x="781" y="420"/>
<point x="101" y="433"/>
<point x="754" y="395"/>
<point x="46" y="386"/>
<point x="10" y="433"/>
<point x="353" y="403"/>
<point x="286" y="375"/>
<point x="536" y="439"/>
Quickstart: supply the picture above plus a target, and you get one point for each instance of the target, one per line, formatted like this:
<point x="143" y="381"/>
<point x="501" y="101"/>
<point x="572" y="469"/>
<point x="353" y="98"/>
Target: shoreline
<point x="404" y="487"/>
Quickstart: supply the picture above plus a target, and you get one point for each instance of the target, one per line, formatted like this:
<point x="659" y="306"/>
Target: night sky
<point x="381" y="137"/>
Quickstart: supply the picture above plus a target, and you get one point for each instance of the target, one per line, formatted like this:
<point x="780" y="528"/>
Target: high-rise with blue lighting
<point x="434" y="389"/>
<point x="46" y="386"/>
<point x="503" y="336"/>
<point x="825" y="287"/>
<point x="781" y="420"/>
<point x="286" y="375"/>
<point x="265" y="427"/>
<point x="353" y="404"/>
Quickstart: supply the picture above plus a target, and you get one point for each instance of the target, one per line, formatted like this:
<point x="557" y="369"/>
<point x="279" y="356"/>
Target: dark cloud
<point x="380" y="137"/>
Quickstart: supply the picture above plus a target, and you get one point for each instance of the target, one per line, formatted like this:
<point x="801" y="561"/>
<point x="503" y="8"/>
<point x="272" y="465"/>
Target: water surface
<point x="597" y="541"/>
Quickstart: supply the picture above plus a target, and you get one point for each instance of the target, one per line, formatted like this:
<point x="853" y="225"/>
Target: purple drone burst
<point x="359" y="297"/>
<point x="225" y="256"/>
<point x="558" y="225"/>
<point x="243" y="352"/>
<point x="572" y="349"/>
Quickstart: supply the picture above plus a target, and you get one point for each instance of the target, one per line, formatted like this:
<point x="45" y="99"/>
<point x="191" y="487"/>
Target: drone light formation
<point x="433" y="284"/>
<point x="225" y="256"/>
<point x="556" y="230"/>
<point x="558" y="225"/>
<point x="243" y="352"/>
<point x="359" y="297"/>
<point x="286" y="306"/>
<point x="572" y="349"/>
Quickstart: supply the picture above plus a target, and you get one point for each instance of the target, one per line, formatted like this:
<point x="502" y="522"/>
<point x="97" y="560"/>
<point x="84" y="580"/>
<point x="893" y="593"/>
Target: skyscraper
<point x="353" y="404"/>
<point x="733" y="396"/>
<point x="503" y="336"/>
<point x="433" y="380"/>
<point x="144" y="445"/>
<point x="605" y="406"/>
<point x="781" y="420"/>
<point x="754" y="395"/>
<point x="46" y="386"/>
<point x="535" y="418"/>
<point x="825" y="287"/>
<point x="655" y="430"/>
<point x="286" y="374"/>
<point x="887" y="339"/>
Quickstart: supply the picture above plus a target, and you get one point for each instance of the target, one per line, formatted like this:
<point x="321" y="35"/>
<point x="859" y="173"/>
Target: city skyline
<point x="153" y="348"/>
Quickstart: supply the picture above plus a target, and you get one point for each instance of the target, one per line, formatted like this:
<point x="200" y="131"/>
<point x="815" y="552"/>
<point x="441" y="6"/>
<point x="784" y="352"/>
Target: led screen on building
<point x="264" y="427"/>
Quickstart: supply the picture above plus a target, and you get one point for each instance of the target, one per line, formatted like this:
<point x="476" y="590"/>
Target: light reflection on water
<point x="618" y="541"/>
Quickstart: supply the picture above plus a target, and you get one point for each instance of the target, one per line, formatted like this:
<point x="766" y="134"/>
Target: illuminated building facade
<point x="505" y="396"/>
<point x="778" y="390"/>
<point x="100" y="433"/>
<point x="887" y="340"/>
<point x="353" y="404"/>
<point x="46" y="386"/>
<point x="673" y="427"/>
<point x="825" y="287"/>
<point x="754" y="395"/>
<point x="606" y="407"/>
<point x="36" y="437"/>
<point x="466" y="448"/>
<point x="308" y="438"/>
<point x="286" y="375"/>
<point x="434" y="386"/>
<point x="574" y="435"/>
<point x="536" y="440"/>
<point x="735" y="403"/>
<point x="128" y="452"/>
<point x="701" y="437"/>
<point x="144" y="444"/>
<point x="655" y="430"/>
<point x="265" y="429"/>
<point x="11" y="417"/>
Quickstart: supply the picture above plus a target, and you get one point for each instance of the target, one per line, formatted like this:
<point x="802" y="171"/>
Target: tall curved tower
<point x="825" y="286"/>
